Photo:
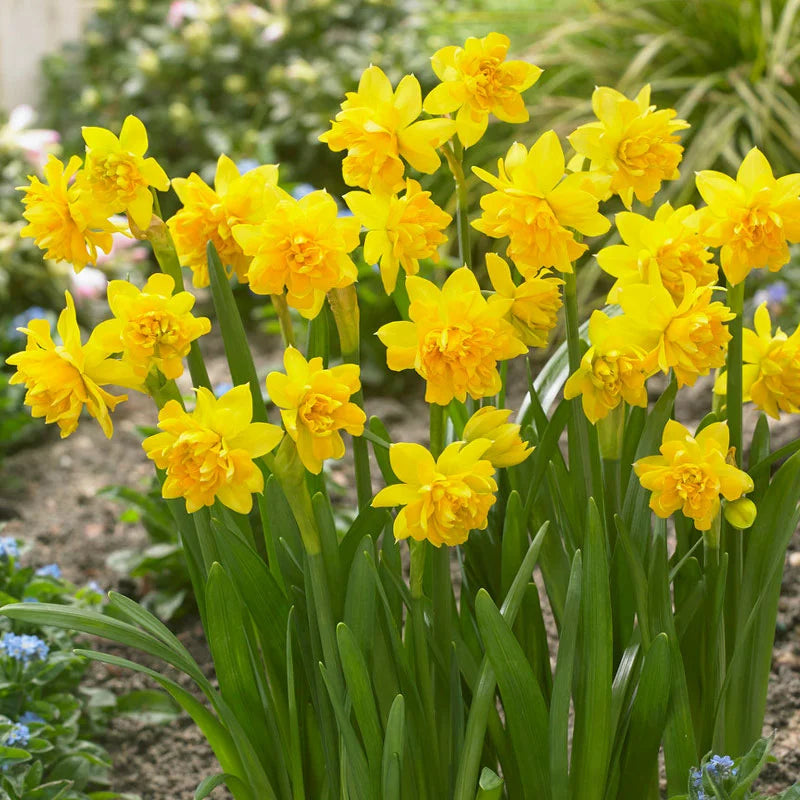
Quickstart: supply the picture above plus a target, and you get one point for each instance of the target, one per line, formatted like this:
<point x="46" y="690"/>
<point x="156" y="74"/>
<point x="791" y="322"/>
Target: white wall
<point x="28" y="30"/>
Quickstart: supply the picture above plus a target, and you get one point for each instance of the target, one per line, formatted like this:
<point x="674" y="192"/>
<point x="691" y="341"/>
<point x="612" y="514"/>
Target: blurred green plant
<point x="254" y="80"/>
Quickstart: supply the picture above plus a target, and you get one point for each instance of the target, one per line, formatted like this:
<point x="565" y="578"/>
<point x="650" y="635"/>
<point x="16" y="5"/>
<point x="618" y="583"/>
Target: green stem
<point x="284" y="319"/>
<point x="734" y="369"/>
<point x="714" y="660"/>
<point x="438" y="415"/>
<point x="455" y="160"/>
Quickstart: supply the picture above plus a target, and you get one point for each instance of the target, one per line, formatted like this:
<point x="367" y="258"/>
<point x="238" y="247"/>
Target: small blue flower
<point x="94" y="586"/>
<point x="30" y="600"/>
<point x="9" y="547"/>
<point x="28" y="717"/>
<point x="719" y="766"/>
<point x="222" y="387"/>
<point x="22" y="320"/>
<point x="697" y="779"/>
<point x="24" y="648"/>
<point x="18" y="736"/>
<point x="49" y="571"/>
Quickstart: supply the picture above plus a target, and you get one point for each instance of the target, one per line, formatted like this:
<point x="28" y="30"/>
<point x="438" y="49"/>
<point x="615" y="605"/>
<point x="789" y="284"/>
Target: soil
<point x="50" y="491"/>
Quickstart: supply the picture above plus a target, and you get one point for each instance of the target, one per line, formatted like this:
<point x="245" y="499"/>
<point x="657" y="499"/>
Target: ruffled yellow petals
<point x="507" y="448"/>
<point x="478" y="81"/>
<point x="117" y="176"/>
<point x="633" y="142"/>
<point x="669" y="245"/>
<point x="63" y="379"/>
<point x="315" y="406"/>
<point x="301" y="247"/>
<point x="377" y="127"/>
<point x="753" y="219"/>
<point x="442" y="500"/>
<point x="691" y="473"/>
<point x="209" y="215"/>
<point x="208" y="454"/>
<point x="456" y="338"/>
<point x="62" y="221"/>
<point x="400" y="230"/>
<point x="533" y="205"/>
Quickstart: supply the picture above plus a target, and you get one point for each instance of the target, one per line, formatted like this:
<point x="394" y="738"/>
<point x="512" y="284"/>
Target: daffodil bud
<point x="507" y="448"/>
<point x="741" y="513"/>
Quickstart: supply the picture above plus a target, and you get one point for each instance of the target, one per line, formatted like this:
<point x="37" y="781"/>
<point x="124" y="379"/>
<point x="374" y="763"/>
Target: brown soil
<point x="52" y="489"/>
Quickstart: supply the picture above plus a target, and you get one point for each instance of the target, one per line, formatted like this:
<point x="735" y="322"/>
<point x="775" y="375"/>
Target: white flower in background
<point x="34" y="143"/>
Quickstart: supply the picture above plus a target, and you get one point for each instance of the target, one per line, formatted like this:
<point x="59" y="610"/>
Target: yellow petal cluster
<point x="64" y="223"/>
<point x="400" y="230"/>
<point x="690" y="337"/>
<point x="507" y="448"/>
<point x="691" y="473"/>
<point x="632" y="141"/>
<point x="771" y="371"/>
<point x="378" y="125"/>
<point x="209" y="215"/>
<point x="118" y="176"/>
<point x="535" y="205"/>
<point x="454" y="339"/>
<point x="208" y="453"/>
<point x="302" y="246"/>
<point x="152" y="327"/>
<point x="477" y="80"/>
<point x="535" y="302"/>
<point x="62" y="379"/>
<point x="669" y="244"/>
<point x="443" y="499"/>
<point x="315" y="406"/>
<point x="612" y="370"/>
<point x="751" y="218"/>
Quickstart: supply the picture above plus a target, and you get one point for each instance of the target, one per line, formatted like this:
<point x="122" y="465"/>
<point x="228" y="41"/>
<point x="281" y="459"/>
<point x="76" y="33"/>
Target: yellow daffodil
<point x="63" y="378"/>
<point x="302" y="246"/>
<point x="507" y="448"/>
<point x="400" y="230"/>
<point x="454" y="339"/>
<point x="534" y="205"/>
<point x="443" y="499"/>
<point x="315" y="406"/>
<point x="771" y="370"/>
<point x="208" y="453"/>
<point x="476" y="80"/>
<point x="612" y="370"/>
<point x="690" y="337"/>
<point x="632" y="141"/>
<point x="691" y="473"/>
<point x="535" y="302"/>
<point x="751" y="218"/>
<point x="152" y="327"/>
<point x="209" y="215"/>
<point x="118" y="176"/>
<point x="377" y="126"/>
<point x="67" y="225"/>
<point x="669" y="243"/>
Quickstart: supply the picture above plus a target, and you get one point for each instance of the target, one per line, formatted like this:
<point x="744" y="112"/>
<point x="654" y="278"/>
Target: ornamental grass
<point x="403" y="652"/>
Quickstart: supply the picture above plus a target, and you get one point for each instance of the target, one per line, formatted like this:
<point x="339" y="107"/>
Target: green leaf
<point x="207" y="786"/>
<point x="360" y="599"/>
<point x="490" y="786"/>
<point x="526" y="712"/>
<point x="750" y="767"/>
<point x="393" y="749"/>
<point x="593" y="736"/>
<point x="382" y="453"/>
<point x="149" y="706"/>
<point x="514" y="542"/>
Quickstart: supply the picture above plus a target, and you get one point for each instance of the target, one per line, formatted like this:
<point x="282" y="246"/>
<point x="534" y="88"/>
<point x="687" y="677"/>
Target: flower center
<point x="693" y="485"/>
<point x="302" y="253"/>
<point x="200" y="458"/>
<point x="648" y="152"/>
<point x="317" y="412"/>
<point x="117" y="174"/>
<point x="153" y="329"/>
<point x="759" y="229"/>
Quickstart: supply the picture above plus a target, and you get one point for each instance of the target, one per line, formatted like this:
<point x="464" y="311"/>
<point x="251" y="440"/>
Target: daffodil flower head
<point x="771" y="370"/>
<point x="691" y="473"/>
<point x="152" y="327"/>
<point x="302" y="246"/>
<point x="752" y="218"/>
<point x="117" y="175"/>
<point x="208" y="453"/>
<point x="400" y="230"/>
<point x="670" y="244"/>
<point x="612" y="370"/>
<point x="443" y="499"/>
<point x="315" y="406"/>
<point x="209" y="215"/>
<point x="632" y="141"/>
<point x="507" y="448"/>
<point x="690" y="337"/>
<point x="477" y="80"/>
<point x="62" y="379"/>
<point x="535" y="301"/>
<point x="454" y="339"/>
<point x="67" y="225"/>
<point x="378" y="127"/>
<point x="534" y="205"/>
